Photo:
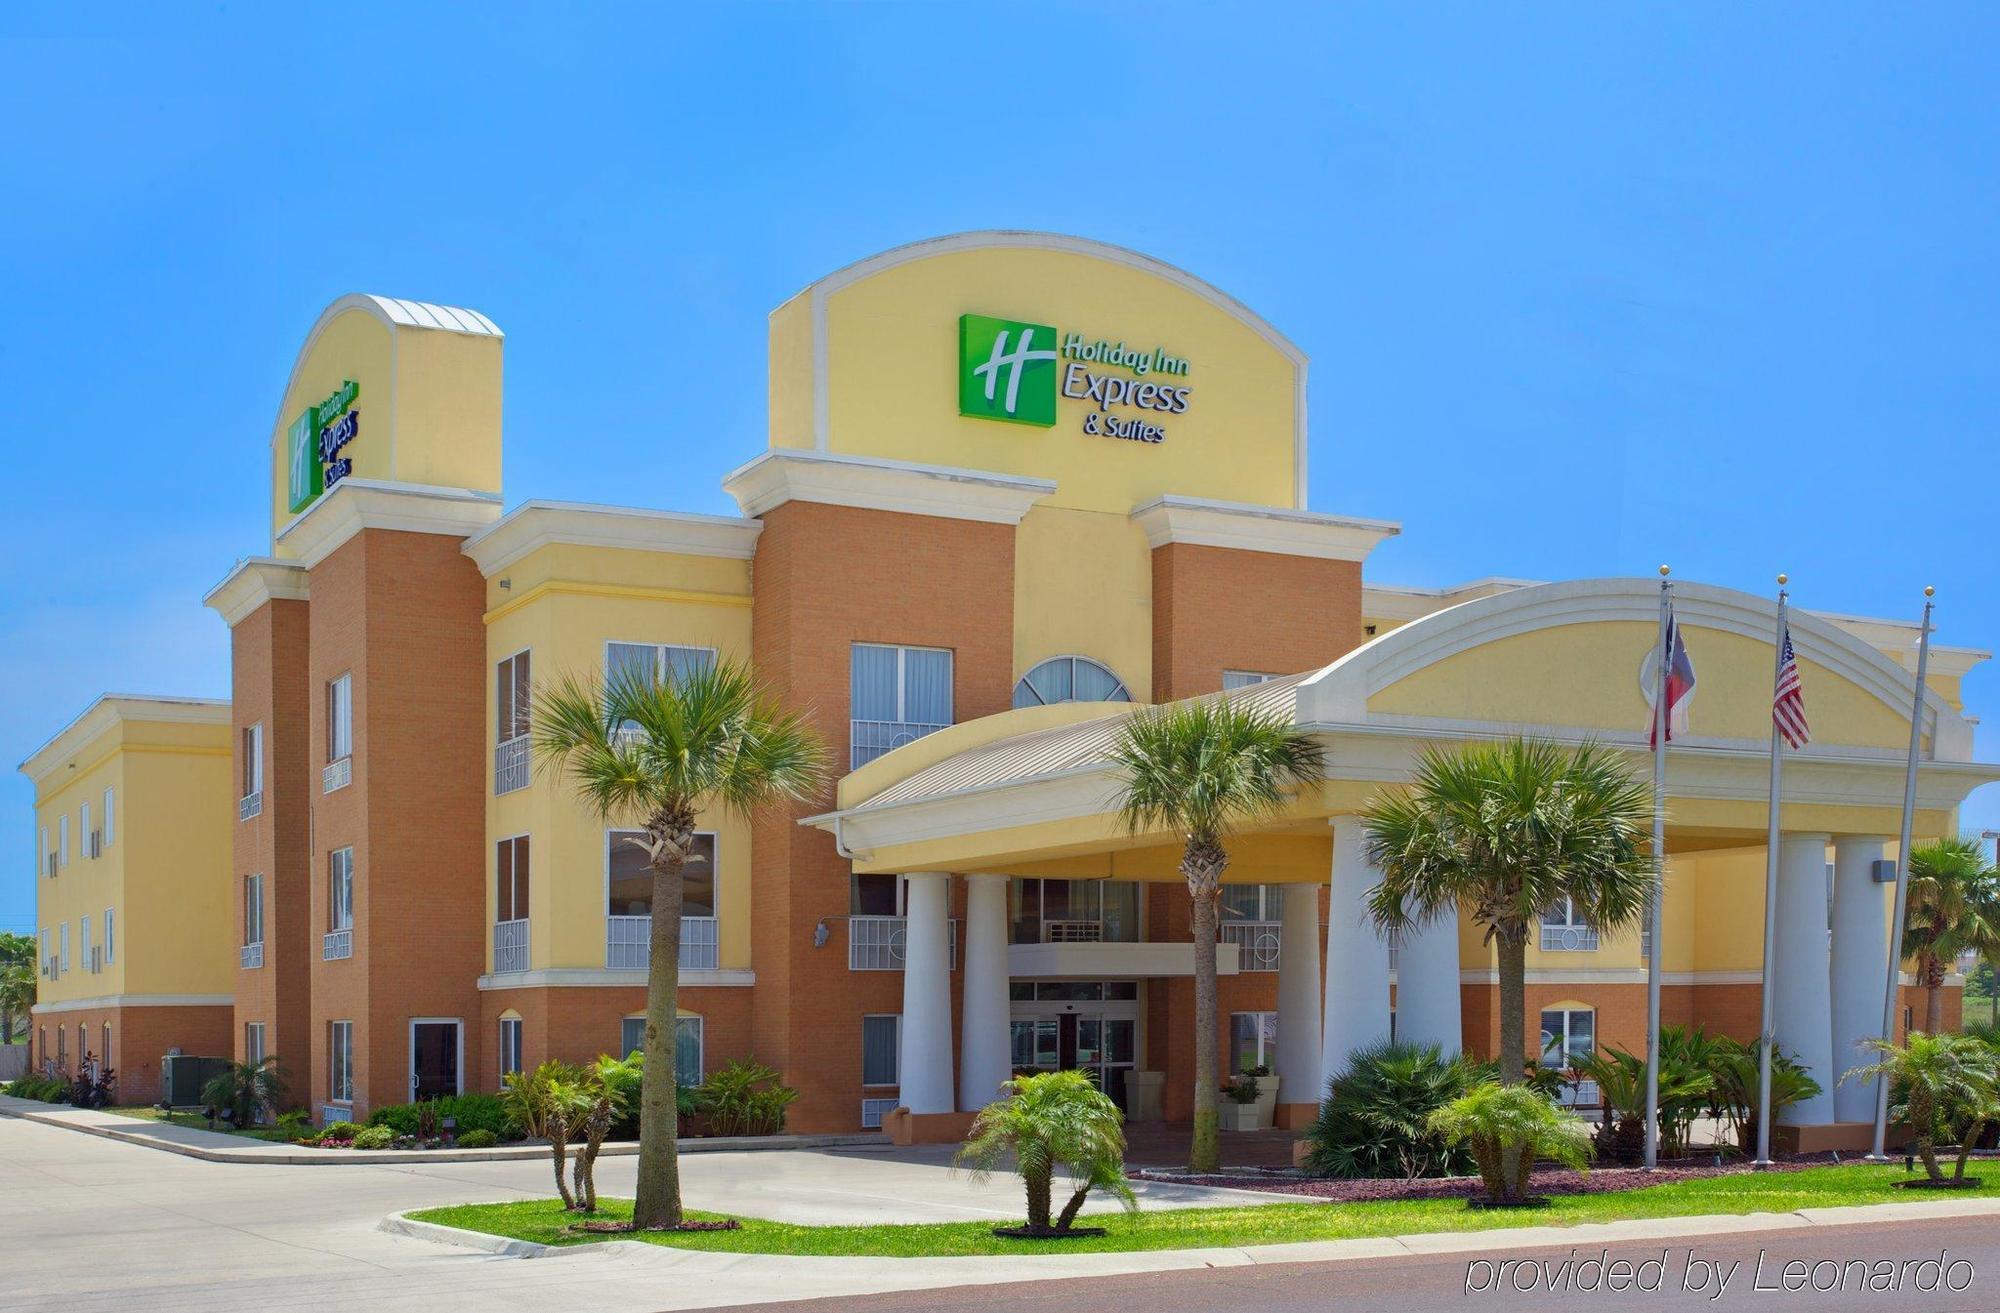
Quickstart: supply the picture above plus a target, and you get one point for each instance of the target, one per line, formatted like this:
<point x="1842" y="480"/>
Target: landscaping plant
<point x="374" y="1137"/>
<point x="1508" y="830"/>
<point x="1057" y="1118"/>
<point x="1931" y="1078"/>
<point x="246" y="1090"/>
<point x="1735" y="1067"/>
<point x="1954" y="905"/>
<point x="655" y="750"/>
<point x="1200" y="769"/>
<point x="478" y="1139"/>
<point x="468" y="1112"/>
<point x="543" y="1104"/>
<point x="1374" y="1121"/>
<point x="1507" y="1127"/>
<point x="745" y="1098"/>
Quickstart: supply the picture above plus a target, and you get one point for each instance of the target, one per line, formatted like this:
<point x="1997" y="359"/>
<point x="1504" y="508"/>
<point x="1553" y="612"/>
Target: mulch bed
<point x="1546" y="1180"/>
<point x="1033" y="1233"/>
<point x="626" y="1228"/>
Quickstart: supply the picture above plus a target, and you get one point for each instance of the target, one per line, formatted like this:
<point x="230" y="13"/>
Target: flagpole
<point x="1766" y="1040"/>
<point x="1892" y="986"/>
<point x="1660" y="714"/>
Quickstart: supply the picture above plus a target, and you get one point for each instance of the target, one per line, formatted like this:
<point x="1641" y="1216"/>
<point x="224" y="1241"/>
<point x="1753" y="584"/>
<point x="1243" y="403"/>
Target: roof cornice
<point x="794" y="474"/>
<point x="356" y="504"/>
<point x="538" y="524"/>
<point x="111" y="710"/>
<point x="254" y="581"/>
<point x="1244" y="527"/>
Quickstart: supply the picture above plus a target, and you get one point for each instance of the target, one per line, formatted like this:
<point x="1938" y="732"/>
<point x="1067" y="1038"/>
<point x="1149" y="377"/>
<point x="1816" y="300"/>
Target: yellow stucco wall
<point x="566" y="602"/>
<point x="1083" y="586"/>
<point x="892" y="378"/>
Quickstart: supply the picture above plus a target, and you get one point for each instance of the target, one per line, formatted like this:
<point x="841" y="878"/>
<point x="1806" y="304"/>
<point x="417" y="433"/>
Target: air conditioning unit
<point x="182" y="1077"/>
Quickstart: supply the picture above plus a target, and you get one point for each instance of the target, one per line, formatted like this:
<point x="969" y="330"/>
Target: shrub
<point x="478" y="1139"/>
<point x="1373" y="1122"/>
<point x="247" y="1090"/>
<point x="745" y="1098"/>
<point x="338" y="1131"/>
<point x="295" y="1123"/>
<point x="469" y="1112"/>
<point x="374" y="1137"/>
<point x="1507" y="1127"/>
<point x="1058" y="1117"/>
<point x="43" y="1089"/>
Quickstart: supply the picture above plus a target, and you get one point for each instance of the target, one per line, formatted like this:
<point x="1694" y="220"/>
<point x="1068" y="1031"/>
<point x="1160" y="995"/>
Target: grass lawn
<point x="196" y="1121"/>
<point x="1259" y="1224"/>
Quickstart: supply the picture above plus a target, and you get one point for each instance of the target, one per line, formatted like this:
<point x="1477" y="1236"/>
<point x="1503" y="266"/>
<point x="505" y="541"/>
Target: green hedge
<point x="38" y="1087"/>
<point x="472" y="1112"/>
<point x="375" y="1137"/>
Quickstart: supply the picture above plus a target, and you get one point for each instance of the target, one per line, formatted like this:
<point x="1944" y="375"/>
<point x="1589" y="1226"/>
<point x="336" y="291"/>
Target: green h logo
<point x="1006" y="370"/>
<point x="307" y="477"/>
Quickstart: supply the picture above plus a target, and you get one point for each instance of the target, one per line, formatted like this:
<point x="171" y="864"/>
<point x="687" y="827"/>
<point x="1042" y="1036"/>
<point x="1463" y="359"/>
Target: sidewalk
<point x="221" y="1147"/>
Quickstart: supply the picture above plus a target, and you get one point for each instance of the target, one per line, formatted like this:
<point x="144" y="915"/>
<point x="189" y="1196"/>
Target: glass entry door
<point x="1059" y="1031"/>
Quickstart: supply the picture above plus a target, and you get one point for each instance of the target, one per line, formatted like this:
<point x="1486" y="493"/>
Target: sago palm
<point x="1954" y="906"/>
<point x="246" y="1089"/>
<point x="1201" y="769"/>
<point x="1056" y="1119"/>
<point x="655" y="752"/>
<point x="1508" y="830"/>
<point x="1933" y="1074"/>
<point x="1508" y="1127"/>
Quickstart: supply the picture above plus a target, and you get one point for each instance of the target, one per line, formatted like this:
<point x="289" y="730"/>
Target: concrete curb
<point x="299" y="1156"/>
<point x="1430" y="1244"/>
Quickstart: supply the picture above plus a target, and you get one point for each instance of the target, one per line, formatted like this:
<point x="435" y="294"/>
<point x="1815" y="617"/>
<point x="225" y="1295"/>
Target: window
<point x="62" y="829"/>
<point x="83" y="830"/>
<point x="874" y="895"/>
<point x="45" y="855"/>
<point x="896" y="695"/>
<point x="1069" y="679"/>
<point x="83" y="940"/>
<point x="646" y="662"/>
<point x="881" y="1045"/>
<point x="1243" y="678"/>
<point x="110" y="936"/>
<point x="1568" y="1035"/>
<point x="687" y="1046"/>
<point x="104" y="1054"/>
<point x="253" y="1042"/>
<point x="511" y="698"/>
<point x="110" y="815"/>
<point x="340" y="718"/>
<point x="1565" y="931"/>
<point x="1253" y="1040"/>
<point x="1252" y="902"/>
<point x="253" y="760"/>
<point x="510" y="879"/>
<point x="62" y="939"/>
<point x="340" y="1061"/>
<point x="1073" y="911"/>
<point x="510" y="1047"/>
<point x="340" y="890"/>
<point x="253" y="910"/>
<point x="628" y="883"/>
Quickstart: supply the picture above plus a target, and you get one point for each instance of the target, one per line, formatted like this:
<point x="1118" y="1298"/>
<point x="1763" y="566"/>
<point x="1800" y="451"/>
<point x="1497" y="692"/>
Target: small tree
<point x="1954" y="905"/>
<point x="1935" y="1076"/>
<point x="247" y="1090"/>
<point x="1055" y="1119"/>
<point x="1508" y="1127"/>
<point x="544" y="1104"/>
<point x="600" y="1095"/>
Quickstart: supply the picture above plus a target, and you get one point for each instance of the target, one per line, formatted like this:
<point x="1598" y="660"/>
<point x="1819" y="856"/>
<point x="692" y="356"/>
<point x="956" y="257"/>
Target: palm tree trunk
<point x="559" y="1151"/>
<point x="1203" y="1153"/>
<point x="1039" y="1184"/>
<point x="1075" y="1204"/>
<point x="1512" y="947"/>
<point x="657" y="1200"/>
<point x="1933" y="978"/>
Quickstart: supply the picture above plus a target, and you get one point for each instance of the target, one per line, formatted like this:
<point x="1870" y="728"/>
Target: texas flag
<point x="1680" y="685"/>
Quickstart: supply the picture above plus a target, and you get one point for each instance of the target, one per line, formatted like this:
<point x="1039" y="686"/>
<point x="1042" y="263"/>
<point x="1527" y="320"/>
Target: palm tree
<point x="1510" y="829"/>
<point x="17" y="981"/>
<point x="1936" y="1076"/>
<point x="1056" y="1118"/>
<point x="1954" y="905"/>
<point x="246" y="1089"/>
<point x="545" y="1104"/>
<point x="1202" y="768"/>
<point x="655" y="751"/>
<point x="1508" y="1127"/>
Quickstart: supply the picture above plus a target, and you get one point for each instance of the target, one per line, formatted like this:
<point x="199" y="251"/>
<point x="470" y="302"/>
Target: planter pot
<point x="1267" y="1101"/>
<point x="1233" y="1116"/>
<point x="1143" y="1091"/>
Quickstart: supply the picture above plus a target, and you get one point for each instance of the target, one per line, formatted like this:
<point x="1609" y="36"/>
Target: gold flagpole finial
<point x="1929" y="591"/>
<point x="1783" y="580"/>
<point x="1666" y="570"/>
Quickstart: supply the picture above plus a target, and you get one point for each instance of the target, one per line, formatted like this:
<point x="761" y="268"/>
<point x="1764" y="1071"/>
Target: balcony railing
<point x="337" y="775"/>
<point x="510" y="765"/>
<point x="869" y="739"/>
<point x="876" y="943"/>
<point x="1072" y="932"/>
<point x="1569" y="938"/>
<point x="250" y="804"/>
<point x="251" y="956"/>
<point x="510" y="946"/>
<point x="628" y="943"/>
<point x="336" y="945"/>
<point x="1257" y="943"/>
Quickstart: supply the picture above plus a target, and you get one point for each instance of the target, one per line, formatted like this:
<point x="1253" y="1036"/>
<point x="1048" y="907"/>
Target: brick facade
<point x="1217" y="609"/>
<point x="140" y="1038"/>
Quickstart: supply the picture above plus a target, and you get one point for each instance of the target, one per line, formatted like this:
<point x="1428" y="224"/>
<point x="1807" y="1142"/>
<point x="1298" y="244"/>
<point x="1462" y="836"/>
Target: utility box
<point x="183" y="1076"/>
<point x="1884" y="871"/>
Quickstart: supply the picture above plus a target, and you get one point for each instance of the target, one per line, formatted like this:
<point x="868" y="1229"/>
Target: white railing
<point x="873" y="1110"/>
<point x="876" y="943"/>
<point x="1569" y="938"/>
<point x="250" y="804"/>
<point x="510" y="946"/>
<point x="1072" y="932"/>
<point x="628" y="943"/>
<point x="510" y="765"/>
<point x="337" y="775"/>
<point x="336" y="944"/>
<point x="252" y="956"/>
<point x="1257" y="943"/>
<point x="869" y="739"/>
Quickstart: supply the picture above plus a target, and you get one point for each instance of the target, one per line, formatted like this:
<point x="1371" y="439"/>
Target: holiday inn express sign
<point x="1019" y="372"/>
<point x="313" y="443"/>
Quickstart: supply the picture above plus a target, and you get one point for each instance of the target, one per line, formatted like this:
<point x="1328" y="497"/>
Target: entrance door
<point x="1074" y="1026"/>
<point x="433" y="1059"/>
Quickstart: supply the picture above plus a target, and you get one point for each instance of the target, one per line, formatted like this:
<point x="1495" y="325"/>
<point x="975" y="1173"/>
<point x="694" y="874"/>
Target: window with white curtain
<point x="253" y="910"/>
<point x="340" y="718"/>
<point x="687" y="1046"/>
<point x="655" y="660"/>
<point x="110" y="815"/>
<point x="1252" y="902"/>
<point x="1569" y="1035"/>
<point x="896" y="695"/>
<point x="512" y="697"/>
<point x="340" y="1061"/>
<point x="110" y="936"/>
<point x="1069" y="679"/>
<point x="1244" y="678"/>
<point x="510" y="1047"/>
<point x="83" y="829"/>
<point x="340" y="890"/>
<point x="62" y="831"/>
<point x="881" y="1043"/>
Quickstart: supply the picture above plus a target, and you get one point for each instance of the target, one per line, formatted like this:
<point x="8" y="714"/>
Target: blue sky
<point x="1585" y="288"/>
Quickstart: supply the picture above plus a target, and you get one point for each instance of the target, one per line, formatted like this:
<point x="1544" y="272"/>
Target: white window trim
<point x="1071" y="657"/>
<point x="110" y="937"/>
<point x="516" y="875"/>
<point x="83" y="829"/>
<point x="255" y="762"/>
<point x="458" y="1067"/>
<point x="331" y="905"/>
<point x="902" y="716"/>
<point x="110" y="815"/>
<point x="62" y="828"/>
<point x="62" y="936"/>
<point x="659" y="652"/>
<point x="1568" y="1033"/>
<point x="611" y="834"/>
<point x="334" y="1092"/>
<point x="867" y="1084"/>
<point x="498" y="737"/>
<point x="700" y="1039"/>
<point x="1263" y="1058"/>
<point x="500" y="1051"/>
<point x="253" y="882"/>
<point x="335" y="704"/>
<point x="253" y="1053"/>
<point x="1245" y="679"/>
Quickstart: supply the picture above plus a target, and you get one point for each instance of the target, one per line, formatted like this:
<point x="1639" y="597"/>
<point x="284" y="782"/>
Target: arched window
<point x="1069" y="679"/>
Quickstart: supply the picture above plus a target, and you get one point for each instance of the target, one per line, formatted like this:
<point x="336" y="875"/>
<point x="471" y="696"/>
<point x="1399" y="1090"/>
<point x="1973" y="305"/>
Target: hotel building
<point x="1013" y="485"/>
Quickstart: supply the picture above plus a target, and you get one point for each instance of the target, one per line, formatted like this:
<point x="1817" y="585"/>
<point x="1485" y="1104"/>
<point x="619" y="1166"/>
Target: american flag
<point x="1788" y="701"/>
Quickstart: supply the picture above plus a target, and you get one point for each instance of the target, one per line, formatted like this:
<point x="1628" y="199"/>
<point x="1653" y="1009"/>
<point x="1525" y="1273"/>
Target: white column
<point x="1860" y="960"/>
<point x="984" y="1057"/>
<point x="1802" y="1005"/>
<point x="1356" y="1012"/>
<point x="926" y="1053"/>
<point x="1427" y="1001"/>
<point x="1298" y="996"/>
